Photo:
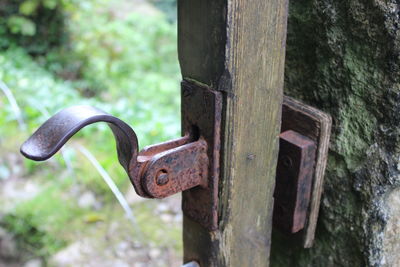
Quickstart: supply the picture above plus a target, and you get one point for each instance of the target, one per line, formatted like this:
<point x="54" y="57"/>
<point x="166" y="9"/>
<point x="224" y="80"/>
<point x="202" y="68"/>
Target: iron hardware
<point x="293" y="187"/>
<point x="304" y="140"/>
<point x="189" y="164"/>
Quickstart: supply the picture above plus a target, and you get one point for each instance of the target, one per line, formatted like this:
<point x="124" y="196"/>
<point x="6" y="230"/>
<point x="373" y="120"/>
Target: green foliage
<point x="124" y="65"/>
<point x="37" y="25"/>
<point x="30" y="237"/>
<point x="39" y="224"/>
<point x="21" y="25"/>
<point x="130" y="60"/>
<point x="117" y="54"/>
<point x="34" y="88"/>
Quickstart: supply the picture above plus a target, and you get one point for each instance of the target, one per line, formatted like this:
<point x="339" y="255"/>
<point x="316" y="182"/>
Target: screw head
<point x="287" y="161"/>
<point x="162" y="177"/>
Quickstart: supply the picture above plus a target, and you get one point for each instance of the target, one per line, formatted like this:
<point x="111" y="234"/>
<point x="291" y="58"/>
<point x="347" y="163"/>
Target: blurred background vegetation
<point x="117" y="55"/>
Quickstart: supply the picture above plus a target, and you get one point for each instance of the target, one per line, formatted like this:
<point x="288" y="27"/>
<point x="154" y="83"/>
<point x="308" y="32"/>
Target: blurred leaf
<point x="19" y="24"/>
<point x="93" y="218"/>
<point x="28" y="7"/>
<point x="50" y="4"/>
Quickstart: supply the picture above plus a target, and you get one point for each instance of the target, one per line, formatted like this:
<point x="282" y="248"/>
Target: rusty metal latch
<point x="158" y="171"/>
<point x="303" y="149"/>
<point x="293" y="187"/>
<point x="190" y="164"/>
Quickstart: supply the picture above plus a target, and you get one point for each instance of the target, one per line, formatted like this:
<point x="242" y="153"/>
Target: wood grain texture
<point x="238" y="47"/>
<point x="315" y="125"/>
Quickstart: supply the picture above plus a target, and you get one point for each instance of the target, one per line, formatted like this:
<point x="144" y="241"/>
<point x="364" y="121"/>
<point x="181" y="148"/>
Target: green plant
<point x="37" y="25"/>
<point x="30" y="237"/>
<point x="126" y="66"/>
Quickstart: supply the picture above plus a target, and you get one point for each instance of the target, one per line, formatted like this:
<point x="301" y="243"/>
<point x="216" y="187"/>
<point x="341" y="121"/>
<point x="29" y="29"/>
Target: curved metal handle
<point x="57" y="130"/>
<point x="183" y="162"/>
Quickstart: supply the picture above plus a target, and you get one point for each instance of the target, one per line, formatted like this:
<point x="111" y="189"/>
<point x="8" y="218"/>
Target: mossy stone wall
<point x="343" y="58"/>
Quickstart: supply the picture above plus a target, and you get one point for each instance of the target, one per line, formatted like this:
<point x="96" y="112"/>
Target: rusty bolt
<point x="162" y="177"/>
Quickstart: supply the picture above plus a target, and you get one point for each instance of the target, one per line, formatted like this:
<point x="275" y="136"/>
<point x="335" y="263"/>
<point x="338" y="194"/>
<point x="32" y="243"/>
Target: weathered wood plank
<point x="238" y="47"/>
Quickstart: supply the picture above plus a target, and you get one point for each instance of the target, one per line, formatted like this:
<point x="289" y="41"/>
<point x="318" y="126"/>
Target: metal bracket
<point x="189" y="164"/>
<point x="293" y="184"/>
<point x="303" y="152"/>
<point x="202" y="109"/>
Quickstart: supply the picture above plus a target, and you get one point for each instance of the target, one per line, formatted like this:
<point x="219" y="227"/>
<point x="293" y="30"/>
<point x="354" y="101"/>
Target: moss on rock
<point x="343" y="57"/>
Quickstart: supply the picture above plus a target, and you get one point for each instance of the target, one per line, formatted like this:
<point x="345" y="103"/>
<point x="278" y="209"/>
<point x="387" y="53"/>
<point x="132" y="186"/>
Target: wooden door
<point x="238" y="48"/>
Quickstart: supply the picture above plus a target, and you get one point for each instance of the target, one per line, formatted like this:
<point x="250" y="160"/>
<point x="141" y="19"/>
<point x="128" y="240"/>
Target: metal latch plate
<point x="201" y="111"/>
<point x="294" y="179"/>
<point x="315" y="126"/>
